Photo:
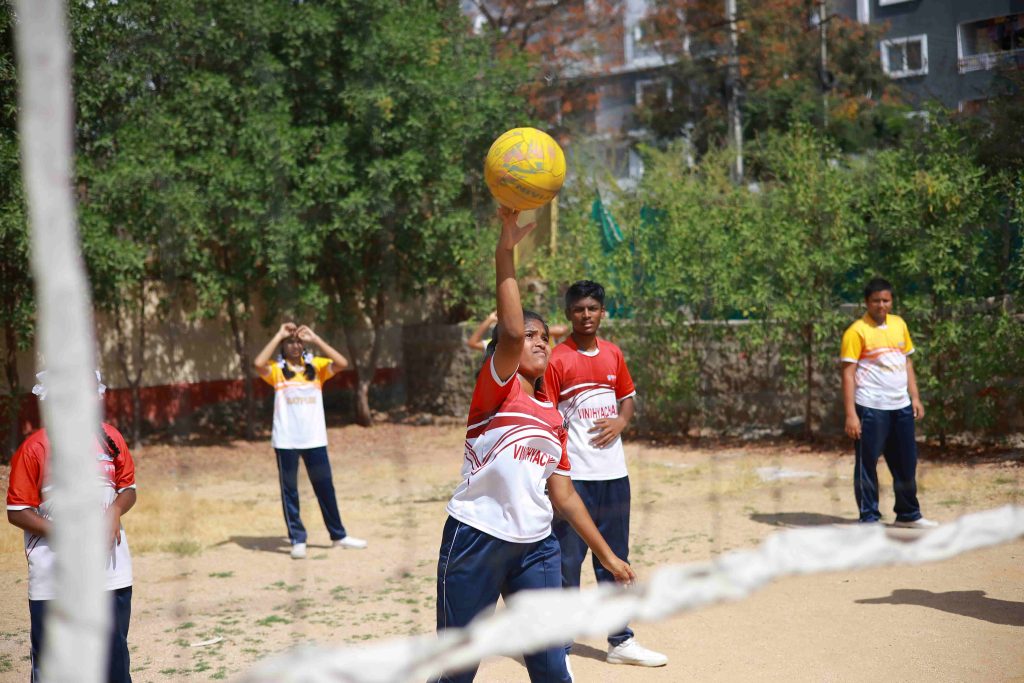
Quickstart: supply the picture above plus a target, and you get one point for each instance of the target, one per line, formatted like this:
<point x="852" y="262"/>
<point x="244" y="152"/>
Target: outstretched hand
<point x="511" y="232"/>
<point x="623" y="573"/>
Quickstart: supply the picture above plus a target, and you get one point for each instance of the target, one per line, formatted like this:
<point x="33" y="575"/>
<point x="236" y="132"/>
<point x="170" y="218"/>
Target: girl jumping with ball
<point x="497" y="539"/>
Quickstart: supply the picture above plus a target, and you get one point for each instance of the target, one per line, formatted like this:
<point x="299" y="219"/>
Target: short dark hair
<point x="582" y="289"/>
<point x="878" y="284"/>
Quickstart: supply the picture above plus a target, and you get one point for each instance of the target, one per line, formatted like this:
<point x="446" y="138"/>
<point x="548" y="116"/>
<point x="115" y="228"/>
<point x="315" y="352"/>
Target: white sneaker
<point x="568" y="667"/>
<point x="298" y="551"/>
<point x="631" y="652"/>
<point x="350" y="543"/>
<point x="921" y="523"/>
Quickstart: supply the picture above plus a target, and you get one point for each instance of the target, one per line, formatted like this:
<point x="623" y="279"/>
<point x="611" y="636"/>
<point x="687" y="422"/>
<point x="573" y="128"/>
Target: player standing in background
<point x="300" y="428"/>
<point x="30" y="508"/>
<point x="590" y="382"/>
<point x="486" y="326"/>
<point x="497" y="539"/>
<point x="881" y="403"/>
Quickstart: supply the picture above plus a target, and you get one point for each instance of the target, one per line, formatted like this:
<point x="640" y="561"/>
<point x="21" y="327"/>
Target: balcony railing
<point x="990" y="60"/>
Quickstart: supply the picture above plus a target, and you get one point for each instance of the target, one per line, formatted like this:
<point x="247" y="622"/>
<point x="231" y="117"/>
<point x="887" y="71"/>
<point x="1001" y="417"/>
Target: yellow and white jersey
<point x="880" y="352"/>
<point x="299" y="404"/>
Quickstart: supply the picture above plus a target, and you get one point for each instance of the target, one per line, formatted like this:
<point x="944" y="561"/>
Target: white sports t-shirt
<point x="880" y="352"/>
<point x="588" y="387"/>
<point x="514" y="442"/>
<point x="30" y="489"/>
<point x="299" y="405"/>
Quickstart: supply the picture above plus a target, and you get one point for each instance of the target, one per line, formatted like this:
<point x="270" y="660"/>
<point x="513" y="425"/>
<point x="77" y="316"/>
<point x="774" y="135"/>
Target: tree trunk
<point x="242" y="350"/>
<point x="14" y="389"/>
<point x="133" y="375"/>
<point x="366" y="371"/>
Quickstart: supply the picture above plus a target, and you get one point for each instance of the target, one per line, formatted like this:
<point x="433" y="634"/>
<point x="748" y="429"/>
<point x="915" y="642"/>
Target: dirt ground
<point x="211" y="561"/>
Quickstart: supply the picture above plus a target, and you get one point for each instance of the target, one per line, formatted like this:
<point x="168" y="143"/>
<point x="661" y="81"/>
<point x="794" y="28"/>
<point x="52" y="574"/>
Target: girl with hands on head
<point x="300" y="429"/>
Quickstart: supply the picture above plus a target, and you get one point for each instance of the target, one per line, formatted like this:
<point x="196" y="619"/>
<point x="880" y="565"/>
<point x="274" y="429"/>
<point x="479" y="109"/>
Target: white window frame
<point x="884" y="46"/>
<point x="645" y="82"/>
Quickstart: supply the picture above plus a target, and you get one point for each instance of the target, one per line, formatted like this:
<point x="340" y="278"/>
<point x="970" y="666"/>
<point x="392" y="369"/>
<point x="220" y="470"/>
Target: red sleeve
<point x="563" y="463"/>
<point x="124" y="465"/>
<point x="26" y="483"/>
<point x="489" y="393"/>
<point x="553" y="381"/>
<point x="623" y="381"/>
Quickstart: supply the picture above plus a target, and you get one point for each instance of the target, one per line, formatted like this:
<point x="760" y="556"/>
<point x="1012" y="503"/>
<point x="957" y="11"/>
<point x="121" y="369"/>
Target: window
<point x="986" y="43"/>
<point x="653" y="93"/>
<point x="903" y="57"/>
<point x="978" y="107"/>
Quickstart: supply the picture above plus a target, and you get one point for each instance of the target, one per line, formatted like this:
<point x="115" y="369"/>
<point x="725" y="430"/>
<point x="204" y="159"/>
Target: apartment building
<point x="946" y="50"/>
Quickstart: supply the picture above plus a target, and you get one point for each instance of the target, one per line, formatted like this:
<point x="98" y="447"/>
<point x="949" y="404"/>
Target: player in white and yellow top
<point x="881" y="402"/>
<point x="300" y="430"/>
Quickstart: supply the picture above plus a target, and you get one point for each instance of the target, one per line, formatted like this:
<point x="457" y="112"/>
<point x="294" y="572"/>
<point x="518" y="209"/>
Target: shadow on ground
<point x="798" y="519"/>
<point x="587" y="652"/>
<point x="267" y="544"/>
<point x="972" y="604"/>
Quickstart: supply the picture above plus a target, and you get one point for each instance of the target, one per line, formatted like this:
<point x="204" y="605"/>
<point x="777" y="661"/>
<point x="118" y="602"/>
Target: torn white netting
<point x="537" y="619"/>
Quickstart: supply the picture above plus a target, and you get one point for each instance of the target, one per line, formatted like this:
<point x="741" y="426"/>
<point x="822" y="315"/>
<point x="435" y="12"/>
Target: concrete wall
<point x="742" y="391"/>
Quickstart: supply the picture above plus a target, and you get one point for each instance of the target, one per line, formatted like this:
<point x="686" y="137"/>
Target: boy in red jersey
<point x="30" y="507"/>
<point x="589" y="381"/>
<point x="498" y="538"/>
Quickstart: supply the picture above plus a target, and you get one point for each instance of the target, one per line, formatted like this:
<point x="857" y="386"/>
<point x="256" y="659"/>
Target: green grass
<point x="271" y="620"/>
<point x="182" y="548"/>
<point x="221" y="575"/>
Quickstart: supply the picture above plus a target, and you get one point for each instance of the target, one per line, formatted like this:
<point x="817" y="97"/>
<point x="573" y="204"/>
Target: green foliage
<point x="781" y="258"/>
<point x="395" y="116"/>
<point x="935" y="224"/>
<point x="17" y="308"/>
<point x="779" y="63"/>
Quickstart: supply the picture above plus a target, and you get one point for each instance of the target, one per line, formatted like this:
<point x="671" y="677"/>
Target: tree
<point x="395" y="105"/>
<point x="802" y="264"/>
<point x="17" y="310"/>
<point x="779" y="54"/>
<point x="121" y="208"/>
<point x="935" y="220"/>
<point x="200" y="157"/>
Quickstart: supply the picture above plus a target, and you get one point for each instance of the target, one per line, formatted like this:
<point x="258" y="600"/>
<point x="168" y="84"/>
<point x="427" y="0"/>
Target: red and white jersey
<point x="514" y="442"/>
<point x="299" y="404"/>
<point x="29" y="488"/>
<point x="588" y="386"/>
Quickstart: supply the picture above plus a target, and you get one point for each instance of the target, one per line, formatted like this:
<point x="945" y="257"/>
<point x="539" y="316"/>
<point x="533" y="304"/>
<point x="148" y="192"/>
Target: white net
<point x="539" y="619"/>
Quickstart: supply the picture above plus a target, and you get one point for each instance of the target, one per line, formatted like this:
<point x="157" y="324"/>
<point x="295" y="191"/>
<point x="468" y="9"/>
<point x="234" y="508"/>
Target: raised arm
<point x="308" y="336"/>
<point x="261" y="364"/>
<point x="511" y="329"/>
<point x="476" y="340"/>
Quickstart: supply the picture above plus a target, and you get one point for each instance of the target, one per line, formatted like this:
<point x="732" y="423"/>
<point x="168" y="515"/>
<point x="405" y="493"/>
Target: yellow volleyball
<point x="525" y="168"/>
